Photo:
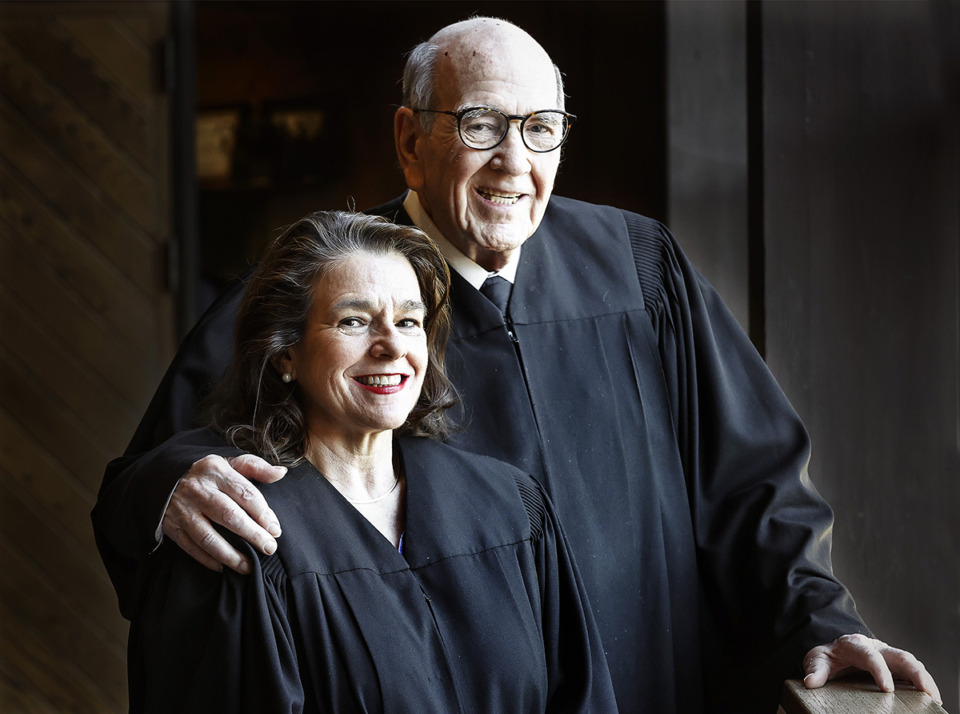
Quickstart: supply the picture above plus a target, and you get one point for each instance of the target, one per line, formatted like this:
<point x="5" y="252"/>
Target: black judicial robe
<point x="678" y="467"/>
<point x="483" y="611"/>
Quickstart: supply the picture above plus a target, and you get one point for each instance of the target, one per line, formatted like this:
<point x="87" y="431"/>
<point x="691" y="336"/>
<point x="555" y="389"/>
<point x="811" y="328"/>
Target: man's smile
<point x="501" y="197"/>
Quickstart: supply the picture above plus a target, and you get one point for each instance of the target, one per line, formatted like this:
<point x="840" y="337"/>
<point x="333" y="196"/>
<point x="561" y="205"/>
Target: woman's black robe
<point x="483" y="612"/>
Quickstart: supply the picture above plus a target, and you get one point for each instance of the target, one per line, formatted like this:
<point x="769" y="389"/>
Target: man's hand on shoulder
<point x="883" y="662"/>
<point x="218" y="490"/>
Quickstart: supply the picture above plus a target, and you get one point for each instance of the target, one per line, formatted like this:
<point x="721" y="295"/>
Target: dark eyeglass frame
<point x="522" y="118"/>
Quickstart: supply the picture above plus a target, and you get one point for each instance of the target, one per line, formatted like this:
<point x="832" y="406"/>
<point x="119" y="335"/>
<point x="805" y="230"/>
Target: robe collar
<point x="460" y="263"/>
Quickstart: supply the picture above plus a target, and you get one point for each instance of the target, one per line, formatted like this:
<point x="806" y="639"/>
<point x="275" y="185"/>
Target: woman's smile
<point x="382" y="383"/>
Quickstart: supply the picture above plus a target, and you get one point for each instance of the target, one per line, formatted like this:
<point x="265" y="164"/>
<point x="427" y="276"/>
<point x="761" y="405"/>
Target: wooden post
<point x="855" y="694"/>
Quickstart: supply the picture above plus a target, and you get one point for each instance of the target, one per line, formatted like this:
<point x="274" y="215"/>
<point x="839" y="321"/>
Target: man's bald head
<point x="467" y="45"/>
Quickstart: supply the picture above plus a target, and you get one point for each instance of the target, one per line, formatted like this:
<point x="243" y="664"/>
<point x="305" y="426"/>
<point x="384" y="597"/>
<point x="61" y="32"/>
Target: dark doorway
<point x="295" y="104"/>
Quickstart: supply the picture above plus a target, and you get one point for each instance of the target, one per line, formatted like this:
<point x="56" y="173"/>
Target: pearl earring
<point x="286" y="377"/>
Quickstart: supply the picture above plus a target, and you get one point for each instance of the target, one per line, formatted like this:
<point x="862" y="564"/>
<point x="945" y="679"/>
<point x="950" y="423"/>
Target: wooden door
<point x="85" y="325"/>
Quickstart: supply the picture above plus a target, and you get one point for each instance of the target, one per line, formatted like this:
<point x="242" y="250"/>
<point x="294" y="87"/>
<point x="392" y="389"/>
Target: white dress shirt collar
<point x="468" y="270"/>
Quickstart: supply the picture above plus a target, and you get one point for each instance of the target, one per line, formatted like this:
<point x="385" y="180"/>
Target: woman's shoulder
<point x="322" y="532"/>
<point x="469" y="484"/>
<point x="438" y="457"/>
<point x="299" y="494"/>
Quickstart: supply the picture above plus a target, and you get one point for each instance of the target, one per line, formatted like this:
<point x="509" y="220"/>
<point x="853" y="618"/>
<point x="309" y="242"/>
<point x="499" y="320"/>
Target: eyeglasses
<point x="484" y="128"/>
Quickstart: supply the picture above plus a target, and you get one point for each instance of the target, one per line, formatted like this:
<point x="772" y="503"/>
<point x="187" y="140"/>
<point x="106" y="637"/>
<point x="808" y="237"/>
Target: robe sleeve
<point x="130" y="505"/>
<point x="208" y="642"/>
<point x="578" y="678"/>
<point x="763" y="532"/>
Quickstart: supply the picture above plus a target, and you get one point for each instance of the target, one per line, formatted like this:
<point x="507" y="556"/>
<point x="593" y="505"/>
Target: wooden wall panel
<point x="70" y="256"/>
<point x="36" y="289"/>
<point x="73" y="200"/>
<point x="58" y="554"/>
<point x="862" y="234"/>
<point x="61" y="57"/>
<point x="55" y="432"/>
<point x="18" y="696"/>
<point x="85" y="326"/>
<point x="93" y="152"/>
<point x="707" y="143"/>
<point x="66" y="689"/>
<point x="852" y="208"/>
<point x="31" y="470"/>
<point x="66" y="375"/>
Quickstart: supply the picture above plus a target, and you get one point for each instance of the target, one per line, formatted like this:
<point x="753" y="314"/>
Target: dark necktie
<point x="497" y="291"/>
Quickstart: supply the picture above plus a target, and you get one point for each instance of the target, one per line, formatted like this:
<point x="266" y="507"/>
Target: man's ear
<point x="406" y="135"/>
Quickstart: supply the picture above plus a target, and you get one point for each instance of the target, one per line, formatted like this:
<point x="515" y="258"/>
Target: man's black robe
<point x="483" y="611"/>
<point x="676" y="464"/>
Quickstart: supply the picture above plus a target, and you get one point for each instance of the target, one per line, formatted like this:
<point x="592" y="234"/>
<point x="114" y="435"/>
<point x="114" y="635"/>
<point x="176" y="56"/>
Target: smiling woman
<point x="359" y="368"/>
<point x="320" y="281"/>
<point x="361" y="360"/>
<point x="410" y="576"/>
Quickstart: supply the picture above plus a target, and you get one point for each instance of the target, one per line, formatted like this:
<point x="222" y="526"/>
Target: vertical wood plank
<point x="707" y="160"/>
<point x="85" y="328"/>
<point x="862" y="178"/>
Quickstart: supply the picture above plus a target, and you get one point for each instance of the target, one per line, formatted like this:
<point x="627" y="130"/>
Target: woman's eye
<point x="351" y="322"/>
<point x="409" y="322"/>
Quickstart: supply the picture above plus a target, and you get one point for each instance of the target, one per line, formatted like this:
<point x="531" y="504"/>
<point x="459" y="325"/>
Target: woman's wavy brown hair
<point x="253" y="407"/>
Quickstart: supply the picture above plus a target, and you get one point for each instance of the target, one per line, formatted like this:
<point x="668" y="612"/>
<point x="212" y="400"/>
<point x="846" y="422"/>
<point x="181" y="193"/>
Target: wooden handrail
<point x="855" y="695"/>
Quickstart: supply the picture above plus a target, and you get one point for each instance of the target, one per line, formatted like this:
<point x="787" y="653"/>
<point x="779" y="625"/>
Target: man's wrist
<point x="158" y="533"/>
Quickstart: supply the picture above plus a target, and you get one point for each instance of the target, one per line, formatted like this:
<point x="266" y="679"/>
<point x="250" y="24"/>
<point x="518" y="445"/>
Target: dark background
<point x="347" y="58"/>
<point x="806" y="155"/>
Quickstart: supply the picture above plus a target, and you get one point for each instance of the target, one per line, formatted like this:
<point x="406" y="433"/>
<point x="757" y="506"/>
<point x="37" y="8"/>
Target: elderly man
<point x="609" y="370"/>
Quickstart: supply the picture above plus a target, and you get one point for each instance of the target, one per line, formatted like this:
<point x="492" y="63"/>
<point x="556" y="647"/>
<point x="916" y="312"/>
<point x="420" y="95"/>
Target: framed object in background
<point x="303" y="147"/>
<point x="217" y="132"/>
